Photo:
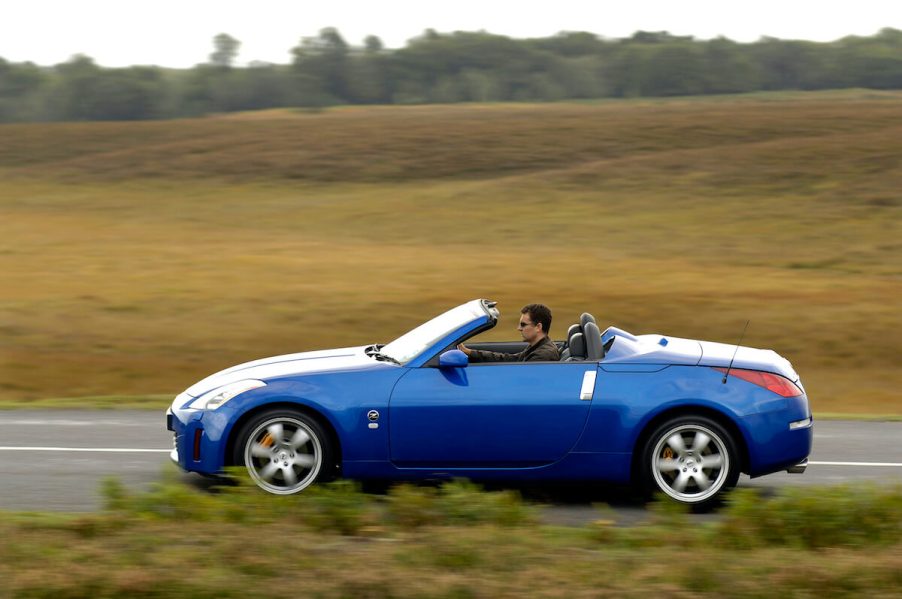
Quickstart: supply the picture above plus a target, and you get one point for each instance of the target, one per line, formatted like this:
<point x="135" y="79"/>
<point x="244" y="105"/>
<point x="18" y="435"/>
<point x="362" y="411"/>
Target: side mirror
<point x="453" y="358"/>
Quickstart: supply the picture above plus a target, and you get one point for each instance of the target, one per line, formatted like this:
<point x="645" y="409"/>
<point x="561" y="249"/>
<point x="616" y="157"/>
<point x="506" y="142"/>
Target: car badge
<point x="373" y="415"/>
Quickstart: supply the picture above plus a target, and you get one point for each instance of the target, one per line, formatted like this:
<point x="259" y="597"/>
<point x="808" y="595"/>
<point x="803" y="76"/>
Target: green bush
<point x="458" y="502"/>
<point x="804" y="518"/>
<point x="336" y="507"/>
<point x="411" y="506"/>
<point x="812" y="518"/>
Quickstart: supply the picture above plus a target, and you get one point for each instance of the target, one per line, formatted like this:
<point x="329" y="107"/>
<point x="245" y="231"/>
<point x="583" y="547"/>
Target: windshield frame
<point x="417" y="346"/>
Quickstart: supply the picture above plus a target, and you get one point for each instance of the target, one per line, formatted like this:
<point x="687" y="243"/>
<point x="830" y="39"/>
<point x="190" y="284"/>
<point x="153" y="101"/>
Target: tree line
<point x="446" y="68"/>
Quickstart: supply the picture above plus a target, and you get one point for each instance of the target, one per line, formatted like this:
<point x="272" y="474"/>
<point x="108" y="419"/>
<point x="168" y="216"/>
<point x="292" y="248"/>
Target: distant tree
<point x="266" y="86"/>
<point x="572" y="44"/>
<point x="870" y="61"/>
<point x="225" y="50"/>
<point x="451" y="67"/>
<point x="782" y="63"/>
<point x="21" y="89"/>
<point x="366" y="73"/>
<point x="658" y="37"/>
<point x="727" y="68"/>
<point x="320" y="65"/>
<point x="626" y="70"/>
<point x="674" y="69"/>
<point x="578" y="76"/>
<point x="479" y="86"/>
<point x="76" y="85"/>
<point x="83" y="91"/>
<point x="367" y="81"/>
<point x="373" y="44"/>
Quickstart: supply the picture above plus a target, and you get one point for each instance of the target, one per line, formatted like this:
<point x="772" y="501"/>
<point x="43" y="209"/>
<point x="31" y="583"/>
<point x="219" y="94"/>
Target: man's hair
<point x="539" y="313"/>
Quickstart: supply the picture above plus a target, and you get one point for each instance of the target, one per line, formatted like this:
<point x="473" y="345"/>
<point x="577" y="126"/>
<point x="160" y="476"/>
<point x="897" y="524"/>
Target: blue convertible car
<point x="671" y="415"/>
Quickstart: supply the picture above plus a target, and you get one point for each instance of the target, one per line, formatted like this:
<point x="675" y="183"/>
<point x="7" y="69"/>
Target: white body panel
<point x="306" y="362"/>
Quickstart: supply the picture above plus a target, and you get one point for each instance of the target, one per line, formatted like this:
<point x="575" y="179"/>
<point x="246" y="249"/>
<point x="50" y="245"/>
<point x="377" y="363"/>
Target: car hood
<point x="347" y="358"/>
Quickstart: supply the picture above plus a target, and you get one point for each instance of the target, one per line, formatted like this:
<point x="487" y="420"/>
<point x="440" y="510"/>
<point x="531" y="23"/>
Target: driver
<point x="535" y="322"/>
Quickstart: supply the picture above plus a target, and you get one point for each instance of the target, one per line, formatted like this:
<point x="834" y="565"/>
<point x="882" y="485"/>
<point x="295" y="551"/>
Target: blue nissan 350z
<point x="676" y="416"/>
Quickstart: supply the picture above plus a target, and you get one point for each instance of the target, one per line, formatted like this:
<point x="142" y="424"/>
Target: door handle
<point x="588" y="388"/>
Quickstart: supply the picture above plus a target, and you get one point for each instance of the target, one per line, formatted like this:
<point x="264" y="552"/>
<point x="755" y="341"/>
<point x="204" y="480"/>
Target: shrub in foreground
<point x="812" y="518"/>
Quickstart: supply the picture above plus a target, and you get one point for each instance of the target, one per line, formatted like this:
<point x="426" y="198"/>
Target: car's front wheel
<point x="691" y="459"/>
<point x="284" y="451"/>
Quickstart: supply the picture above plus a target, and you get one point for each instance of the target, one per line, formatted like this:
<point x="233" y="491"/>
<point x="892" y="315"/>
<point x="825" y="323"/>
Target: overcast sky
<point x="178" y="33"/>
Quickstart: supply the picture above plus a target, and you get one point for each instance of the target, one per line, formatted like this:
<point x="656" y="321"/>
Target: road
<point x="55" y="460"/>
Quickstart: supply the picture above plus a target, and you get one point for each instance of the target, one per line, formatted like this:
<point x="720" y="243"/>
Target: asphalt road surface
<point x="55" y="460"/>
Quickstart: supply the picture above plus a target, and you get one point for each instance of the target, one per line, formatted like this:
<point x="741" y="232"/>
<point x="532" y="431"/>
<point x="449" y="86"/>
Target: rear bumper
<point x="798" y="468"/>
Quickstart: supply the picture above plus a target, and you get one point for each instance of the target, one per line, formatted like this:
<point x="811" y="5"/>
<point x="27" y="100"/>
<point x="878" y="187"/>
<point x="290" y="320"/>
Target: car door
<point x="496" y="415"/>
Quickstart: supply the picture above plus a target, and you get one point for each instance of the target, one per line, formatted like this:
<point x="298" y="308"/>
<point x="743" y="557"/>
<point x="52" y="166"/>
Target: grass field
<point x="138" y="257"/>
<point x="454" y="541"/>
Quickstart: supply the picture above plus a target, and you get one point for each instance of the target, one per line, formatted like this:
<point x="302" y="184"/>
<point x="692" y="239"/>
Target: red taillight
<point x="772" y="382"/>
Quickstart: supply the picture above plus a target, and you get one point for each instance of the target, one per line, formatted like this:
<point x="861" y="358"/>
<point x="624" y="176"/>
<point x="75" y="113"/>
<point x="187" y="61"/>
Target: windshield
<point x="410" y="345"/>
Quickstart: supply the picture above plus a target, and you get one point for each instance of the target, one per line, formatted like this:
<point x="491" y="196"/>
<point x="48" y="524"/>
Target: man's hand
<point x="464" y="349"/>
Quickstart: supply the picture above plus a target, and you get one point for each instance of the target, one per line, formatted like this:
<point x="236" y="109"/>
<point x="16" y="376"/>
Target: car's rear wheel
<point x="284" y="451"/>
<point x="692" y="460"/>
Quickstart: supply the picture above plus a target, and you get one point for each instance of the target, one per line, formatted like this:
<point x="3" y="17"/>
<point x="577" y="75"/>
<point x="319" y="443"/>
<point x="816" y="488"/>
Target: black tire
<point x="691" y="460"/>
<point x="284" y="451"/>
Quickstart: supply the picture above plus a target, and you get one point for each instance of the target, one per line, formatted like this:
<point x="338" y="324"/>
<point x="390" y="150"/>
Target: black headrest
<point x="594" y="350"/>
<point x="584" y="318"/>
<point x="573" y="330"/>
<point x="577" y="346"/>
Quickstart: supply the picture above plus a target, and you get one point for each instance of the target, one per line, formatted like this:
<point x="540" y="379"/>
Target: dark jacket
<point x="543" y="351"/>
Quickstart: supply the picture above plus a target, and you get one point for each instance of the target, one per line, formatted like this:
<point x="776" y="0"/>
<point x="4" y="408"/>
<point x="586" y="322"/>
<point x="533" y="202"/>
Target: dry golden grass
<point x="138" y="257"/>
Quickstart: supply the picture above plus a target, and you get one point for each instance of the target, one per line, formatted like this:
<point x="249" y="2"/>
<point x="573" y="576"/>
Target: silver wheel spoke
<point x="268" y="471"/>
<point x="700" y="443"/>
<point x="305" y="460"/>
<point x="291" y="478"/>
<point x="277" y="432"/>
<point x="702" y="480"/>
<point x="260" y="451"/>
<point x="676" y="443"/>
<point x="300" y="438"/>
<point x="711" y="461"/>
<point x="680" y="483"/>
<point x="668" y="465"/>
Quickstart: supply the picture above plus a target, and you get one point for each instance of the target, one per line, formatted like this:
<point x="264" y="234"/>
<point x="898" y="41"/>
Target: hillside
<point x="139" y="257"/>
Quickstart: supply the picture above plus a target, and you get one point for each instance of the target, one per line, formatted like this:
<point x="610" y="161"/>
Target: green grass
<point x="108" y="402"/>
<point x="140" y="257"/>
<point x="449" y="541"/>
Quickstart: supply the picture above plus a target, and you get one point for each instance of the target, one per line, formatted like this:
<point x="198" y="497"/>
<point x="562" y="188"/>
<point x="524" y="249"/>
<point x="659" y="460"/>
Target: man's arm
<point x="482" y="355"/>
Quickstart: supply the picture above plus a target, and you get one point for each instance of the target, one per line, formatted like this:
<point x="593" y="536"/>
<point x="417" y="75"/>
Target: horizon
<point x="359" y="46"/>
<point x="177" y="35"/>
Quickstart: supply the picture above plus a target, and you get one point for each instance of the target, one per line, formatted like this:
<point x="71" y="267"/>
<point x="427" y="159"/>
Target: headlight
<point x="217" y="397"/>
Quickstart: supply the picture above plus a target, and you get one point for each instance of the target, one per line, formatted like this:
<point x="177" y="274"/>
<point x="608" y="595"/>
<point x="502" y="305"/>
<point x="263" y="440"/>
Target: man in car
<point x="535" y="322"/>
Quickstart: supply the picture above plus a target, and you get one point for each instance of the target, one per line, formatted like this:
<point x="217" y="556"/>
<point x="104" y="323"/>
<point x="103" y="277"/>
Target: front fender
<point x="343" y="400"/>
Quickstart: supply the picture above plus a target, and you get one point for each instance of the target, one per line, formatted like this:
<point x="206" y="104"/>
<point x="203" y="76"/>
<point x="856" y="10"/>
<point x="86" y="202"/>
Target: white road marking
<point x="88" y="449"/>
<point x="141" y="450"/>
<point x="882" y="464"/>
<point x="69" y="423"/>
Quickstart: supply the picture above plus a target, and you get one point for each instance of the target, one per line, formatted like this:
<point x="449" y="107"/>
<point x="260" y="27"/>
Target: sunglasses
<point x="523" y="325"/>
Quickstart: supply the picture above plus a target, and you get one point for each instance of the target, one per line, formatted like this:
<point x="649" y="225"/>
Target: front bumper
<point x="197" y="440"/>
<point x="174" y="454"/>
